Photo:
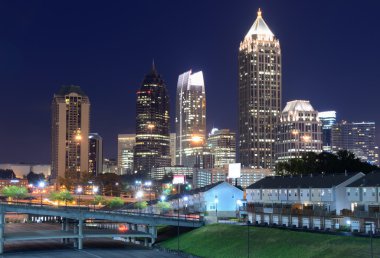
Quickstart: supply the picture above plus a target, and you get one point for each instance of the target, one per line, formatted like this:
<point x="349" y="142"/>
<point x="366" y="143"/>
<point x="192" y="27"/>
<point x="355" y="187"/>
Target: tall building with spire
<point x="190" y="118"/>
<point x="152" y="125"/>
<point x="259" y="95"/>
<point x="70" y="129"/>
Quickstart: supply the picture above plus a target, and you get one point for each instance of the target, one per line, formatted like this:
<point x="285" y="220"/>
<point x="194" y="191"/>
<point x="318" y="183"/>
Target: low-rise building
<point x="364" y="194"/>
<point x="326" y="191"/>
<point x="218" y="199"/>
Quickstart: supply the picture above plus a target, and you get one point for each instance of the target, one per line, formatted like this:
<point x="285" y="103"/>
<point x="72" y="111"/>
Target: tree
<point x="16" y="192"/>
<point x="99" y="200"/>
<point x="62" y="196"/>
<point x="328" y="163"/>
<point x="141" y="205"/>
<point x="164" y="206"/>
<point x="34" y="178"/>
<point x="116" y="202"/>
<point x="7" y="174"/>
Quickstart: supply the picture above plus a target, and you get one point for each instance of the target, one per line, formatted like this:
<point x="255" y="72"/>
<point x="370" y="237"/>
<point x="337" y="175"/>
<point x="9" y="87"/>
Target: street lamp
<point x="216" y="207"/>
<point x="95" y="190"/>
<point x="79" y="191"/>
<point x="185" y="199"/>
<point x="139" y="195"/>
<point x="41" y="185"/>
<point x="163" y="198"/>
<point x="370" y="235"/>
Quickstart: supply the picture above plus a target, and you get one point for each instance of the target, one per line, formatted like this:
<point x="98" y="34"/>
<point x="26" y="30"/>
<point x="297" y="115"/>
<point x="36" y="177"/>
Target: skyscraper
<point x="358" y="138"/>
<point x="70" y="128"/>
<point x="222" y="144"/>
<point x="125" y="148"/>
<point x="173" y="149"/>
<point x="299" y="131"/>
<point x="152" y="125"/>
<point x="328" y="119"/>
<point x="259" y="95"/>
<point x="190" y="118"/>
<point x="95" y="155"/>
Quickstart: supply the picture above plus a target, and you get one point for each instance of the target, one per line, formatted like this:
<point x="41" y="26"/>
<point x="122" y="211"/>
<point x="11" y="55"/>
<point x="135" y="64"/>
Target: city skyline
<point x="113" y="114"/>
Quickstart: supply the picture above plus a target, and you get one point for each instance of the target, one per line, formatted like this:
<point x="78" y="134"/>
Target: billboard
<point x="178" y="179"/>
<point x="234" y="170"/>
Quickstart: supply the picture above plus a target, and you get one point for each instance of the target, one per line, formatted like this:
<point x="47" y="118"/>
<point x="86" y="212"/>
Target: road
<point x="93" y="248"/>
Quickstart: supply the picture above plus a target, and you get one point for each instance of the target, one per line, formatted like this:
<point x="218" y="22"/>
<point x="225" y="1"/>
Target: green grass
<point x="231" y="241"/>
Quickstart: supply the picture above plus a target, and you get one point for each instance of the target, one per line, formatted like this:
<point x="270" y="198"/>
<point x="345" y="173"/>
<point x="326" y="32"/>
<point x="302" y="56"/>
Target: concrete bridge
<point x="140" y="225"/>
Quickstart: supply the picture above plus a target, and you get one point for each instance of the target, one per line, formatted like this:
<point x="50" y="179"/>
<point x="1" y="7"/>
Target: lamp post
<point x="185" y="199"/>
<point x="79" y="191"/>
<point x="370" y="236"/>
<point x="248" y="223"/>
<point x="139" y="195"/>
<point x="216" y="207"/>
<point x="95" y="190"/>
<point x="41" y="185"/>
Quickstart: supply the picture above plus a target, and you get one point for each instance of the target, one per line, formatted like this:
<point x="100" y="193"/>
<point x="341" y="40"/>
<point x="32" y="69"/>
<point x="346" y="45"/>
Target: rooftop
<point x="298" y="105"/>
<point x="371" y="179"/>
<point x="259" y="27"/>
<point x="305" y="181"/>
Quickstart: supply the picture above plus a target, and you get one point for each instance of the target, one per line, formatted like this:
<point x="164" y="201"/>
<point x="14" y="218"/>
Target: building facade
<point x="70" y="128"/>
<point x="173" y="148"/>
<point x="222" y="144"/>
<point x="158" y="173"/>
<point x="152" y="125"/>
<point x="190" y="118"/>
<point x="299" y="131"/>
<point x="259" y="95"/>
<point x="328" y="119"/>
<point x="95" y="154"/>
<point x="125" y="149"/>
<point x="358" y="138"/>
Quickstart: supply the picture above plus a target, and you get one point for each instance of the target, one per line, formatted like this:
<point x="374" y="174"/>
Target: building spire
<point x="259" y="13"/>
<point x="153" y="66"/>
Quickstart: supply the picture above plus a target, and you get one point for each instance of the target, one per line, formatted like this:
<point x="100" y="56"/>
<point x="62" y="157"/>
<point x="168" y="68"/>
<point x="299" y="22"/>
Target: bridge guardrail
<point x="182" y="217"/>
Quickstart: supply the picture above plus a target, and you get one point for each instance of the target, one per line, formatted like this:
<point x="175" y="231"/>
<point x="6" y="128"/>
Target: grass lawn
<point x="231" y="241"/>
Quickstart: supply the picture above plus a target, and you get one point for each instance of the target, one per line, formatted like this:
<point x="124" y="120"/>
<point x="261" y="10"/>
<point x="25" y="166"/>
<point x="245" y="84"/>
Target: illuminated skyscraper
<point x="358" y="138"/>
<point x="299" y="131"/>
<point x="190" y="118"/>
<point x="152" y="125"/>
<point x="70" y="128"/>
<point x="222" y="144"/>
<point x="125" y="150"/>
<point x="95" y="155"/>
<point x="328" y="119"/>
<point x="259" y="95"/>
<point x="173" y="149"/>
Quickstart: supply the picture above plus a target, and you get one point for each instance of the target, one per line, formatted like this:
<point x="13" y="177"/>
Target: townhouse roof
<point x="371" y="179"/>
<point x="304" y="181"/>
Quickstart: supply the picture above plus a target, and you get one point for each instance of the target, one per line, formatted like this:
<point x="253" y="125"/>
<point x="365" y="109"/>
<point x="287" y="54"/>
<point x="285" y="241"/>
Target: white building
<point x="364" y="194"/>
<point x="202" y="177"/>
<point x="327" y="191"/>
<point x="216" y="199"/>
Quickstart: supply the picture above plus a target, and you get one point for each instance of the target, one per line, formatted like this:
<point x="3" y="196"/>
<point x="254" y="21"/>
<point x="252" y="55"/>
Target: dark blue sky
<point x="330" y="54"/>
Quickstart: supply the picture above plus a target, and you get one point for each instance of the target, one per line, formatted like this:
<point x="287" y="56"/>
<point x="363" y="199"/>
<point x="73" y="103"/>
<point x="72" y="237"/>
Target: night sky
<point x="330" y="50"/>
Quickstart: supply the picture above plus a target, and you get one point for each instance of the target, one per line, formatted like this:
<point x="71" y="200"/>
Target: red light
<point x="123" y="228"/>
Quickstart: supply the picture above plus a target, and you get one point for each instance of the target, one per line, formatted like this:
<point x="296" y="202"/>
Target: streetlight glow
<point x="139" y="194"/>
<point x="163" y="198"/>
